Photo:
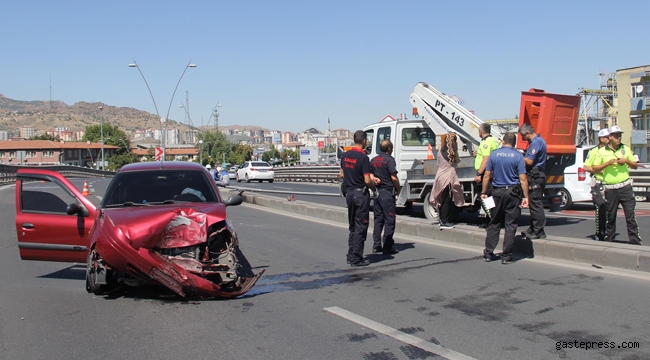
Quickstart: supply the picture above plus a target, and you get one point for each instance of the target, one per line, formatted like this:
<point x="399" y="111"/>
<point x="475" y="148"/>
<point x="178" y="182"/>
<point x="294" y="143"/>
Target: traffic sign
<point x="159" y="153"/>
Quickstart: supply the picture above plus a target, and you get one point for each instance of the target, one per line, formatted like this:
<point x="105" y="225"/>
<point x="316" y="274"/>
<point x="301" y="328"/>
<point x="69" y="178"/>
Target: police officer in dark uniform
<point x="506" y="170"/>
<point x="357" y="176"/>
<point x="384" y="170"/>
<point x="535" y="159"/>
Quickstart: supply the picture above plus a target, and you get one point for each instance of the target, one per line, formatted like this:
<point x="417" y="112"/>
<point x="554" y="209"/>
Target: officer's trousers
<point x="358" y="217"/>
<point x="597" y="195"/>
<point x="505" y="213"/>
<point x="625" y="197"/>
<point x="384" y="209"/>
<point x="536" y="205"/>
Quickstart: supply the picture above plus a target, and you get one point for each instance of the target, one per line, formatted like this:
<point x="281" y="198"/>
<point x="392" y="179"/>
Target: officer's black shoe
<point x="446" y="226"/>
<point x="635" y="243"/>
<point x="539" y="236"/>
<point x="527" y="233"/>
<point x="360" y="263"/>
<point x="507" y="260"/>
<point x="390" y="251"/>
<point x="490" y="258"/>
<point x="377" y="250"/>
<point x="347" y="259"/>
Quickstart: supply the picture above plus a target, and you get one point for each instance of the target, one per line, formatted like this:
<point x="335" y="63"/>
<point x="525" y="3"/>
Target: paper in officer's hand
<point x="489" y="202"/>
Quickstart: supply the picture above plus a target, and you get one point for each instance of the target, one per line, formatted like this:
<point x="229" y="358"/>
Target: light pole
<point x="215" y="113"/>
<point x="164" y="135"/>
<point x="201" y="151"/>
<point x="101" y="121"/>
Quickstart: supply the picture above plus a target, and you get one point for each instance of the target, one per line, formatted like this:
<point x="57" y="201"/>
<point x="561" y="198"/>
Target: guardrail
<point x="316" y="173"/>
<point x="327" y="173"/>
<point x="641" y="180"/>
<point x="8" y="172"/>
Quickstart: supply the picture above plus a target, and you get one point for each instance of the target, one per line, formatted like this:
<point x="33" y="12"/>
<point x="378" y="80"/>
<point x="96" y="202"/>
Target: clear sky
<point x="291" y="65"/>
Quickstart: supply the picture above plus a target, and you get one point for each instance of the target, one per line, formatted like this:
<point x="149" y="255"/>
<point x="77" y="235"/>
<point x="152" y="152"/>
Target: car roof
<point x="164" y="165"/>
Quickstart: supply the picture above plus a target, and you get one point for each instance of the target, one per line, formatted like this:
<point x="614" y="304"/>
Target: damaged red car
<point x="158" y="223"/>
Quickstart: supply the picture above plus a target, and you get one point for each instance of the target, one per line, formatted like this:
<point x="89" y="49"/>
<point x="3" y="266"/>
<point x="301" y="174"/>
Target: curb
<point x="597" y="254"/>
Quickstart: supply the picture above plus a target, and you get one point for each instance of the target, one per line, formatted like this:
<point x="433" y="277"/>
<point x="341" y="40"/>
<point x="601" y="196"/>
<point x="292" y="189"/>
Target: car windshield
<point x="158" y="187"/>
<point x="262" y="164"/>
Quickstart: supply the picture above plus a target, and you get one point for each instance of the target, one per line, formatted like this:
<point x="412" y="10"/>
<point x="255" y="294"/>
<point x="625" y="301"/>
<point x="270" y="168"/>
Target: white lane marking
<point x="396" y="334"/>
<point x="283" y="188"/>
<point x="99" y="197"/>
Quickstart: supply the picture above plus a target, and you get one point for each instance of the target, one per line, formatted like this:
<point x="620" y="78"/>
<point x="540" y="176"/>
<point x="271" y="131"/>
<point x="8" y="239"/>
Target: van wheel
<point x="567" y="202"/>
<point x="430" y="212"/>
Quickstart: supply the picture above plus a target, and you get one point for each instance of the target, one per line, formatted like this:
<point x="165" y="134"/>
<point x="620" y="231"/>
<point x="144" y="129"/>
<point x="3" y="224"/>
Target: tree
<point x="46" y="137"/>
<point x="117" y="161"/>
<point x="271" y="154"/>
<point x="113" y="135"/>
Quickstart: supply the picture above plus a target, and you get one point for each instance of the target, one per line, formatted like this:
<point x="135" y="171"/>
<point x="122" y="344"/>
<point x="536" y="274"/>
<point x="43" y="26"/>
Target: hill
<point x="46" y="115"/>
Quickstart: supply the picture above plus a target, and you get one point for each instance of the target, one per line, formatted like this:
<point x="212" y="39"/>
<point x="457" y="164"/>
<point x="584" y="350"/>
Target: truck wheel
<point x="429" y="211"/>
<point x="567" y="202"/>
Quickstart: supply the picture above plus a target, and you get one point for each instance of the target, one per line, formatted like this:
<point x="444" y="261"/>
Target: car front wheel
<point x="270" y="181"/>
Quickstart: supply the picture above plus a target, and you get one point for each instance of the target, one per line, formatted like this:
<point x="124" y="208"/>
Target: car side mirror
<point x="234" y="200"/>
<point x="74" y="209"/>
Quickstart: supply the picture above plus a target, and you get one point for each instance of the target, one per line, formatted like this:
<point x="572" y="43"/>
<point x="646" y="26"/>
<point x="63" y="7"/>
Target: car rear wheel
<point x="567" y="202"/>
<point x="430" y="212"/>
<point x="247" y="179"/>
<point x="237" y="177"/>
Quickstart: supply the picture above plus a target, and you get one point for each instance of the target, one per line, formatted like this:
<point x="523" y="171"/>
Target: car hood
<point x="163" y="226"/>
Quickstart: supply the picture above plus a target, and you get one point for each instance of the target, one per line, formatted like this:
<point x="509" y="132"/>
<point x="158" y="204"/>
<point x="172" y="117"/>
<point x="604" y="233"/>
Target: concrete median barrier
<point x="600" y="254"/>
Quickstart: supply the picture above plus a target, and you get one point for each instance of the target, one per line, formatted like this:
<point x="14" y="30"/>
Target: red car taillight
<point x="581" y="174"/>
<point x="253" y="169"/>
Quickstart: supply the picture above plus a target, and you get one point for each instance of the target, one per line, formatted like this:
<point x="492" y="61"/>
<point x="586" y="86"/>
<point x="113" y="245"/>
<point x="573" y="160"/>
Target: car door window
<point x="382" y="134"/>
<point x="370" y="135"/>
<point x="44" y="197"/>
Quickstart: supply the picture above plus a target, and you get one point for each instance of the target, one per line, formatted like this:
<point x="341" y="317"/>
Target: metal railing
<point x="315" y="173"/>
<point x="8" y="172"/>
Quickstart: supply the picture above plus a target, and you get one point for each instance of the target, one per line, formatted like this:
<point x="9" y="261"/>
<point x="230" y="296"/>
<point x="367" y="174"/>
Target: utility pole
<point x="101" y="121"/>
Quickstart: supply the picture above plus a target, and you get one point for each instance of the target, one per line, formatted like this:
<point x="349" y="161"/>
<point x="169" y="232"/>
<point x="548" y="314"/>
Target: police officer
<point x="597" y="190"/>
<point x="384" y="169"/>
<point x="487" y="145"/>
<point x="535" y="160"/>
<point x="356" y="174"/>
<point x="507" y="171"/>
<point x="615" y="160"/>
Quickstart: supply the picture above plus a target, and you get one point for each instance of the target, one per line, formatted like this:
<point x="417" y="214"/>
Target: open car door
<point x="53" y="218"/>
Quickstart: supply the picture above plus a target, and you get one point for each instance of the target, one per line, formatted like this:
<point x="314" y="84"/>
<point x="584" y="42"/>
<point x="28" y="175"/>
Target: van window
<point x="382" y="134"/>
<point x="418" y="137"/>
<point x="370" y="135"/>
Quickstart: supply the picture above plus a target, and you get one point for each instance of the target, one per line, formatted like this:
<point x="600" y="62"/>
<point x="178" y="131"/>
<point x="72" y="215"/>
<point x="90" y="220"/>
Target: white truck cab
<point x="410" y="138"/>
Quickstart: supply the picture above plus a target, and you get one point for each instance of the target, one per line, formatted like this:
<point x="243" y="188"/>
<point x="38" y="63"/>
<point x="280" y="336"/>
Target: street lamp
<point x="164" y="135"/>
<point x="201" y="151"/>
<point x="101" y="121"/>
<point x="215" y="113"/>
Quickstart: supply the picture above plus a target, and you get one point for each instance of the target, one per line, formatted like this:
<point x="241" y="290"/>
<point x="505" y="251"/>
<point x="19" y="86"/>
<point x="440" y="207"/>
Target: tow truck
<point x="553" y="116"/>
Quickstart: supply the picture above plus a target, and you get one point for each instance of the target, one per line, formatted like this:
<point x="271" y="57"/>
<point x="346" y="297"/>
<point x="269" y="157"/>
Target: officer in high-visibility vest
<point x="614" y="161"/>
<point x="597" y="189"/>
<point x="487" y="145"/>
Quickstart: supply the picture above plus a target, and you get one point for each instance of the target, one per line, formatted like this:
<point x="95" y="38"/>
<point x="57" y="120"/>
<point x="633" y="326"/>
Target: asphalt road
<point x="426" y="300"/>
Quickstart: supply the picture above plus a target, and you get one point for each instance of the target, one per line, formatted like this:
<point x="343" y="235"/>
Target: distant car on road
<point x="232" y="173"/>
<point x="255" y="170"/>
